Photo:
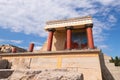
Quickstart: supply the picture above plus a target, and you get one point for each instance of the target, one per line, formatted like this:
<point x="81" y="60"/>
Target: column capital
<point x="51" y="29"/>
<point x="69" y="27"/>
<point x="89" y="25"/>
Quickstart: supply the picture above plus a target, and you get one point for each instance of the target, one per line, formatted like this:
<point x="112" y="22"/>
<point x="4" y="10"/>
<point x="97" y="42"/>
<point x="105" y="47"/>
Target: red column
<point x="69" y="37"/>
<point x="50" y="38"/>
<point x="90" y="36"/>
<point x="31" y="47"/>
<point x="14" y="50"/>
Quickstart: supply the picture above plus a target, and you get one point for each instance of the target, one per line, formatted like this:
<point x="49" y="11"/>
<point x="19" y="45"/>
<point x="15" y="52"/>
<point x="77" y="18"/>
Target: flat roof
<point x="78" y="21"/>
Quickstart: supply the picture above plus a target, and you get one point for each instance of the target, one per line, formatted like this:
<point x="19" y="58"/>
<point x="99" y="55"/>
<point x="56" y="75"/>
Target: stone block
<point x="4" y="64"/>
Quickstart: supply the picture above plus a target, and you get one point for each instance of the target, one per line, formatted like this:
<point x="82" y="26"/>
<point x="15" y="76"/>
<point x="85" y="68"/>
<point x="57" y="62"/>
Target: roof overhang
<point x="75" y="22"/>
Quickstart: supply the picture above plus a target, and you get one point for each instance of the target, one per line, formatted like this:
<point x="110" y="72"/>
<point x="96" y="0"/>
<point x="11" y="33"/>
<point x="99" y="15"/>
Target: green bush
<point x="116" y="61"/>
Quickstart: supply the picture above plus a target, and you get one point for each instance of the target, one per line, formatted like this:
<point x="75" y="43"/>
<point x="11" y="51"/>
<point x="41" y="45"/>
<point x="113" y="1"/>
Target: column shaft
<point x="14" y="50"/>
<point x="90" y="37"/>
<point x="31" y="47"/>
<point x="50" y="38"/>
<point x="69" y="38"/>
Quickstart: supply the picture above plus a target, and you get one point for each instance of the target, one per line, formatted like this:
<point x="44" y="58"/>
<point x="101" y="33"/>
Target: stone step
<point x="107" y="57"/>
<point x="115" y="71"/>
<point x="107" y="60"/>
<point x="106" y="75"/>
<point x="113" y="67"/>
<point x="116" y="76"/>
<point x="110" y="64"/>
<point x="5" y="73"/>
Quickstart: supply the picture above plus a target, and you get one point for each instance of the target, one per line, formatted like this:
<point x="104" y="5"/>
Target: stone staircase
<point x="114" y="70"/>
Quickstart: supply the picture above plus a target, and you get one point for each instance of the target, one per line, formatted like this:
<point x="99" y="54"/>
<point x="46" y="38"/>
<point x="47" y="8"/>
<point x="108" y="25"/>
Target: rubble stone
<point x="46" y="75"/>
<point x="8" y="48"/>
<point x="4" y="64"/>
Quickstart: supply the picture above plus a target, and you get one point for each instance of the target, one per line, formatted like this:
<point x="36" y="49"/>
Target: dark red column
<point x="14" y="50"/>
<point x="69" y="37"/>
<point x="50" y="38"/>
<point x="90" y="36"/>
<point x="31" y="47"/>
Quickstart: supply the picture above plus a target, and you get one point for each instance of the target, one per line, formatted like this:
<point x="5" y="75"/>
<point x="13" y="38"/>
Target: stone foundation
<point x="86" y="62"/>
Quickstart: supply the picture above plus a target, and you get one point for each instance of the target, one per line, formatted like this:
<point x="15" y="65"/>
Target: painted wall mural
<point x="79" y="40"/>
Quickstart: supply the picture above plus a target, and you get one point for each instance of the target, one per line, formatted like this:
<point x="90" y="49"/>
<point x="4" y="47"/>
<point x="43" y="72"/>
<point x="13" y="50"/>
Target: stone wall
<point x="55" y="74"/>
<point x="85" y="62"/>
<point x="7" y="48"/>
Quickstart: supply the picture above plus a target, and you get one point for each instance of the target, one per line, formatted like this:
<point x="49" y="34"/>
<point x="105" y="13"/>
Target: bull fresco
<point x="79" y="40"/>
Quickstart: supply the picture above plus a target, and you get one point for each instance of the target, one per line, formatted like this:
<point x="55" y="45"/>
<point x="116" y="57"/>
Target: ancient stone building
<point x="69" y="48"/>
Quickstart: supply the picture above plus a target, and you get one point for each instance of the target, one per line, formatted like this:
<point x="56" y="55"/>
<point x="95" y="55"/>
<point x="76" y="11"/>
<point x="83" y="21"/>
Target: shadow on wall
<point x="59" y="40"/>
<point x="5" y="67"/>
<point x="106" y="74"/>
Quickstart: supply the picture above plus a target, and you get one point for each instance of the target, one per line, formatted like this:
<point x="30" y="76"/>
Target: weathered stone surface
<point x="85" y="62"/>
<point x="4" y="74"/>
<point x="8" y="48"/>
<point x="56" y="74"/>
<point x="4" y="64"/>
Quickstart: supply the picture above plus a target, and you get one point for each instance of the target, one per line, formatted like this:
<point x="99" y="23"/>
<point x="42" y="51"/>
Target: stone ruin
<point x="7" y="48"/>
<point x="68" y="54"/>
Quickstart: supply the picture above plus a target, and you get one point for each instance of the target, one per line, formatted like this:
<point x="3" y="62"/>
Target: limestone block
<point x="4" y="64"/>
<point x="20" y="63"/>
<point x="39" y="63"/>
<point x="4" y="74"/>
<point x="55" y="74"/>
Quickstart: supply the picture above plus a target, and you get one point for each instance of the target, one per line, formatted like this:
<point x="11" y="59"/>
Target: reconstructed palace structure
<point x="70" y="34"/>
<point x="70" y="45"/>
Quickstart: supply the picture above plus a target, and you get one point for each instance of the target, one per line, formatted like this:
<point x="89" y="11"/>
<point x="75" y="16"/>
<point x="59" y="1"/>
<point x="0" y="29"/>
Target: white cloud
<point x="29" y="16"/>
<point x="98" y="30"/>
<point x="36" y="43"/>
<point x="11" y="41"/>
<point x="37" y="47"/>
<point x="106" y="2"/>
<point x="1" y="40"/>
<point x="16" y="41"/>
<point x="112" y="18"/>
<point x="103" y="46"/>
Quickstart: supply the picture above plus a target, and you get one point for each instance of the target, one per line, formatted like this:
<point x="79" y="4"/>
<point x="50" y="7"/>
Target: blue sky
<point x="23" y="21"/>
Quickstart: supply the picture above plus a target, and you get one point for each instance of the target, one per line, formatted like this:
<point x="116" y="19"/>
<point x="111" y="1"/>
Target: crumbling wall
<point x="8" y="48"/>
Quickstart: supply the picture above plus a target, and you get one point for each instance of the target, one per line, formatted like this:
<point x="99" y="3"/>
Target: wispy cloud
<point x="112" y="18"/>
<point x="16" y="41"/>
<point x="36" y="43"/>
<point x="37" y="47"/>
<point x="29" y="16"/>
<point x="103" y="46"/>
<point x="11" y="41"/>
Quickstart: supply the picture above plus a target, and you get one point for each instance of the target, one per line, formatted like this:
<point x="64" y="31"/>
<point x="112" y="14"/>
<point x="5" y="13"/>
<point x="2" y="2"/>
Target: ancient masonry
<point x="7" y="48"/>
<point x="68" y="54"/>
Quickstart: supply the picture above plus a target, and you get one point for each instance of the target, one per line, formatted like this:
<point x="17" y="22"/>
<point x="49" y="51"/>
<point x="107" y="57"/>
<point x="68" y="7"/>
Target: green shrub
<point x="116" y="61"/>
